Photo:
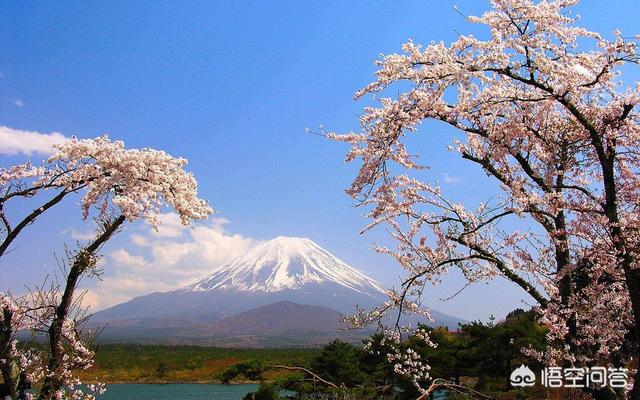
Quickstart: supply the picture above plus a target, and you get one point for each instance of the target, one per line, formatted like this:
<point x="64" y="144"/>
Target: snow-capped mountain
<point x="287" y="263"/>
<point x="284" y="270"/>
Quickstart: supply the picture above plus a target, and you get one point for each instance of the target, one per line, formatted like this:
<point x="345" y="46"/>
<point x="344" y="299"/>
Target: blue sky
<point x="232" y="85"/>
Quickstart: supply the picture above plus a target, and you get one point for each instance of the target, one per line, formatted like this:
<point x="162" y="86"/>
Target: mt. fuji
<point x="272" y="276"/>
<point x="287" y="263"/>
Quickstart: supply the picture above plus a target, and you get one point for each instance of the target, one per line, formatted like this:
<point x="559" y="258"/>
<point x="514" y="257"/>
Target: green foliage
<point x="162" y="369"/>
<point x="495" y="350"/>
<point x="265" y="391"/>
<point x="250" y="369"/>
<point x="339" y="363"/>
<point x="375" y="366"/>
<point x="480" y="354"/>
<point x="140" y="363"/>
<point x="379" y="372"/>
<point x="485" y="353"/>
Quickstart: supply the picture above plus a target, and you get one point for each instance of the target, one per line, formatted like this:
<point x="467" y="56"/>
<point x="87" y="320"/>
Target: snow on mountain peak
<point x="286" y="263"/>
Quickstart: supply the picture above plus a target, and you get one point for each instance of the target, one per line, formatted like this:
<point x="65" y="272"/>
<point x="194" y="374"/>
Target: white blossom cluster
<point x="136" y="184"/>
<point x="406" y="361"/>
<point x="27" y="313"/>
<point x="139" y="182"/>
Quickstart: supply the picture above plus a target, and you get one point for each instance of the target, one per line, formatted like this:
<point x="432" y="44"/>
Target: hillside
<point x="285" y="292"/>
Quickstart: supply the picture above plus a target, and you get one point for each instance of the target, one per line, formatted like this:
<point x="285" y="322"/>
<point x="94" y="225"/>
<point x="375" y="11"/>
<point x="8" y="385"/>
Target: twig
<point x="308" y="372"/>
<point x="444" y="384"/>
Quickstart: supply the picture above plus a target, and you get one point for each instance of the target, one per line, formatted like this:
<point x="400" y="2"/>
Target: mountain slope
<point x="284" y="271"/>
<point x="279" y="318"/>
<point x="279" y="324"/>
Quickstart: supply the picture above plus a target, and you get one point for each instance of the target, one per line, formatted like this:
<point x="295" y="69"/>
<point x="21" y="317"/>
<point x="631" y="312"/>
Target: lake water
<point x="127" y="391"/>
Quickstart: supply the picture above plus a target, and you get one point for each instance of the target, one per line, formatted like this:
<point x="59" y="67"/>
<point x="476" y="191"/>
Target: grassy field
<point x="130" y="363"/>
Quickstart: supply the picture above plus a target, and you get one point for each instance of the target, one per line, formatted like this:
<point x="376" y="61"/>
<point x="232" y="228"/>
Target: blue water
<point x="127" y="391"/>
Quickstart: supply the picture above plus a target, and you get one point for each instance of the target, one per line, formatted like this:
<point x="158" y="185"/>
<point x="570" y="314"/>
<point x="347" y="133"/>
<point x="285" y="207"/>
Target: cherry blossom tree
<point x="541" y="109"/>
<point x="121" y="185"/>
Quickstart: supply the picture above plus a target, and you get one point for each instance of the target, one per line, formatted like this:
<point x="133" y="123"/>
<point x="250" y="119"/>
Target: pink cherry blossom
<point x="558" y="129"/>
<point x="121" y="185"/>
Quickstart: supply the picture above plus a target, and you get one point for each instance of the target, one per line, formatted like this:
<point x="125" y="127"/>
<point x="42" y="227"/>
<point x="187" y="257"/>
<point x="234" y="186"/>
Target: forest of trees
<point x="479" y="355"/>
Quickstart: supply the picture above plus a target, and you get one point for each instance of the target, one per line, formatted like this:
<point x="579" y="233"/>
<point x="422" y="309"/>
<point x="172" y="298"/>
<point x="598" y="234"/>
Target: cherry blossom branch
<point x="444" y="384"/>
<point x="550" y="123"/>
<point x="306" y="371"/>
<point x="83" y="260"/>
<point x="11" y="234"/>
<point x="132" y="183"/>
<point x="504" y="269"/>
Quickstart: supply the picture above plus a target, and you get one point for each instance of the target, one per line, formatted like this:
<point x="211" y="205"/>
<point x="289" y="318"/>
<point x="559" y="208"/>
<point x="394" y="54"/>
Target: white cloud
<point x="214" y="246"/>
<point x="450" y="178"/>
<point x="18" y="102"/>
<point x="123" y="259"/>
<point x="16" y="141"/>
<point x="80" y="235"/>
<point x="139" y="240"/>
<point x="170" y="226"/>
<point x="162" y="262"/>
<point x="167" y="253"/>
<point x="116" y="290"/>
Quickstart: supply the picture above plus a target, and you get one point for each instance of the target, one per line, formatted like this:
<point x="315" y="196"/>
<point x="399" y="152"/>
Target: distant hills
<point x="285" y="292"/>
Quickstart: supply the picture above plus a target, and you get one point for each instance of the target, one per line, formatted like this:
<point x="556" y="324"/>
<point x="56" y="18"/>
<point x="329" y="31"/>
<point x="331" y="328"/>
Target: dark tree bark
<point x="84" y="259"/>
<point x="10" y="370"/>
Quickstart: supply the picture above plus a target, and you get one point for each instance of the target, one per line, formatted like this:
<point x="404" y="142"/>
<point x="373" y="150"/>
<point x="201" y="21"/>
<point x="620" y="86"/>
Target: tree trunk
<point x="623" y="253"/>
<point x="82" y="261"/>
<point x="53" y="382"/>
<point x="633" y="284"/>
<point x="10" y="370"/>
<point x="634" y="394"/>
